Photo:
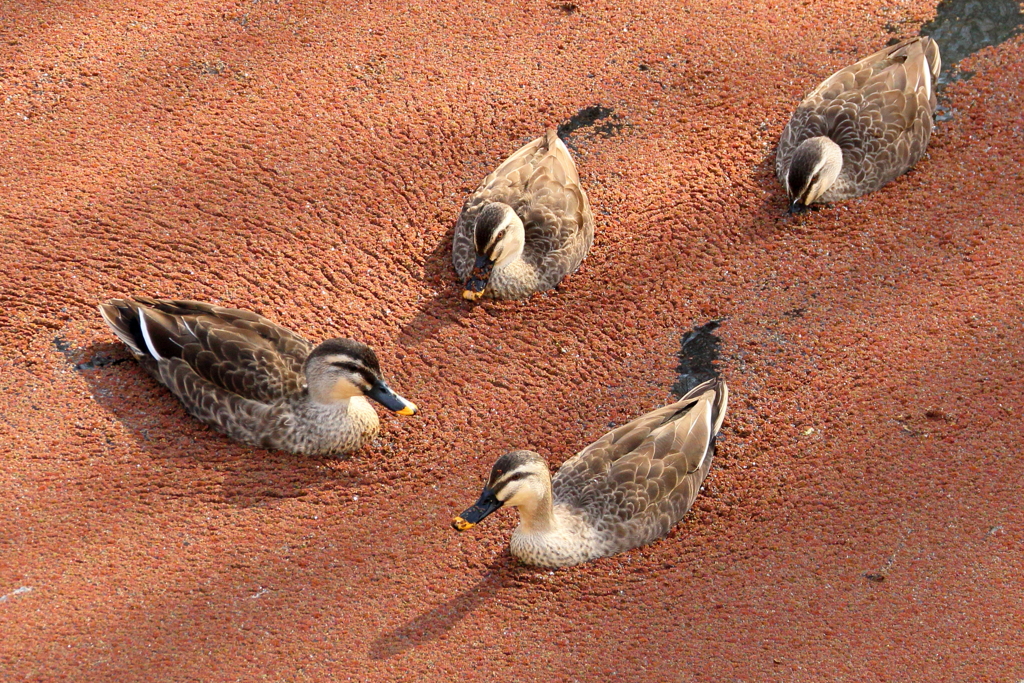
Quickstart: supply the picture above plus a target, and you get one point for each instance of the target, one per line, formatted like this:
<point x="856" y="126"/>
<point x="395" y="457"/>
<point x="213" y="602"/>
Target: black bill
<point x="487" y="504"/>
<point x="477" y="282"/>
<point x="382" y="394"/>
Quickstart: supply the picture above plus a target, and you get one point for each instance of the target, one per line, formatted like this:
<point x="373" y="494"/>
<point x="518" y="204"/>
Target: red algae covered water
<point x="307" y="160"/>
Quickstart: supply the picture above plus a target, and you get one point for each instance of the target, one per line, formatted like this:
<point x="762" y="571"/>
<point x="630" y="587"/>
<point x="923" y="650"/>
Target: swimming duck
<point x="625" y="490"/>
<point x="255" y="381"/>
<point x="864" y="126"/>
<point x="526" y="227"/>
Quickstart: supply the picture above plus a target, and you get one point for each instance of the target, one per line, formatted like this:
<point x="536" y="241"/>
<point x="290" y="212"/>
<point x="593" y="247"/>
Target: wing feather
<point x="237" y="351"/>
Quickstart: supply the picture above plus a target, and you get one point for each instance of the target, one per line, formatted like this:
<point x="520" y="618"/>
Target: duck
<point x="526" y="227"/>
<point x="862" y="127"/>
<point x="253" y="380"/>
<point x="625" y="490"/>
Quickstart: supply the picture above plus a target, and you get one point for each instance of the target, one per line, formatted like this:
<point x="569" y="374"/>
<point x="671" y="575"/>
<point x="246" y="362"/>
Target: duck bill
<point x="477" y="282"/>
<point x="487" y="504"/>
<point x="382" y="394"/>
<point x="796" y="206"/>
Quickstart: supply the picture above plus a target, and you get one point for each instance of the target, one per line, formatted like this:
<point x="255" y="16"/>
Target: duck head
<point x="500" y="238"/>
<point x="339" y="369"/>
<point x="815" y="165"/>
<point x="518" y="479"/>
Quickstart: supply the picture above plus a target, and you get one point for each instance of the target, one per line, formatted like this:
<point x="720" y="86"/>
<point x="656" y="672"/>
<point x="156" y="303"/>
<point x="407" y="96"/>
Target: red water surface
<point x="307" y="160"/>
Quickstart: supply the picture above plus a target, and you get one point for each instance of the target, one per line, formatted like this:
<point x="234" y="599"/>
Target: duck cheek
<point x="818" y="188"/>
<point x="516" y="499"/>
<point x="510" y="250"/>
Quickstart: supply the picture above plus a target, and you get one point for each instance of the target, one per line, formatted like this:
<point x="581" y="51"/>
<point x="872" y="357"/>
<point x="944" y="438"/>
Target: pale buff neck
<point x="538" y="516"/>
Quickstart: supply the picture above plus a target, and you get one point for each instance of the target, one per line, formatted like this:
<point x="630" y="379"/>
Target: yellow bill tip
<point x="459" y="524"/>
<point x="470" y="295"/>
<point x="409" y="409"/>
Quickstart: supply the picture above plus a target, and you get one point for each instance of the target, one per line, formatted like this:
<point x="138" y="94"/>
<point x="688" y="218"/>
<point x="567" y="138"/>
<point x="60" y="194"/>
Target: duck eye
<point x="342" y="365"/>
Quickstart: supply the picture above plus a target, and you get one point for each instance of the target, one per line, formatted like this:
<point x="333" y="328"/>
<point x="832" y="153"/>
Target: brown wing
<point x="541" y="184"/>
<point x="636" y="482"/>
<point x="879" y="112"/>
<point x="234" y="350"/>
<point x="247" y="420"/>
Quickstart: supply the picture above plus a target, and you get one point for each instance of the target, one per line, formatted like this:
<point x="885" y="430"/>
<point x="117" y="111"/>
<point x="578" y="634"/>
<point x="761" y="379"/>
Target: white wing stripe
<point x="145" y="335"/>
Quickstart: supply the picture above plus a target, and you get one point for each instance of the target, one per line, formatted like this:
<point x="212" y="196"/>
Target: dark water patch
<point x="62" y="345"/>
<point x="590" y="117"/>
<point x="100" y="361"/>
<point x="697" y="355"/>
<point x="962" y="27"/>
<point x="944" y="112"/>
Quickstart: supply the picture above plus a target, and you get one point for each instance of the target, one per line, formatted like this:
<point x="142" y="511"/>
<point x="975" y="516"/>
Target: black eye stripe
<point x="515" y="477"/>
<point x="355" y="369"/>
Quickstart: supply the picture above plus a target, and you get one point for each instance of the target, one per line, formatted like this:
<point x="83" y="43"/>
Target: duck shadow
<point x="773" y="210"/>
<point x="771" y="213"/>
<point x="435" y="623"/>
<point x="193" y="458"/>
<point x="447" y="305"/>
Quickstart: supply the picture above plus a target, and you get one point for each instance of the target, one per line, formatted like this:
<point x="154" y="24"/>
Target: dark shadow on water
<point x="774" y="202"/>
<point x="435" y="623"/>
<point x="443" y="310"/>
<point x="698" y="352"/>
<point x="590" y="122"/>
<point x="588" y="118"/>
<point x="962" y="27"/>
<point x="447" y="306"/>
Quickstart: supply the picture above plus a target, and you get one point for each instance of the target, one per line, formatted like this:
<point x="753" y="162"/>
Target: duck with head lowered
<point x="862" y="127"/>
<point x="256" y="381"/>
<point x="627" y="489"/>
<point x="526" y="227"/>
